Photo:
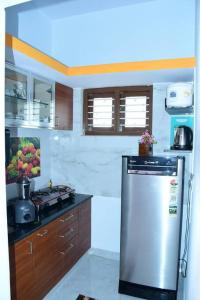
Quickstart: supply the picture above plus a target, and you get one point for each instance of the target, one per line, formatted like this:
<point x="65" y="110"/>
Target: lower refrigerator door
<point x="150" y="233"/>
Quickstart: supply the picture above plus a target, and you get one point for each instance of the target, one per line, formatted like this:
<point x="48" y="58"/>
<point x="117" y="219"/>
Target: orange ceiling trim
<point x="149" y="65"/>
<point x="32" y="52"/>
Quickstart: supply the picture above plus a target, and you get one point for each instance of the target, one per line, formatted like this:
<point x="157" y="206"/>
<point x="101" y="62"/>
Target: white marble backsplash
<point x="89" y="168"/>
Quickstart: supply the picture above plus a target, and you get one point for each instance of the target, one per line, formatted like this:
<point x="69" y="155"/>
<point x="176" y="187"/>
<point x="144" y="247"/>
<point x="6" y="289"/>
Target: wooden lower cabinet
<point x="44" y="260"/>
<point x="84" y="232"/>
<point x="21" y="267"/>
<point x="39" y="261"/>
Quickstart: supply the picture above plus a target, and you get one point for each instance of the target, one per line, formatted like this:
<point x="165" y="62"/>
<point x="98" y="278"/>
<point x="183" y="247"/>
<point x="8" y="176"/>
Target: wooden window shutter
<point x="99" y="111"/>
<point x="135" y="110"/>
<point x="118" y="110"/>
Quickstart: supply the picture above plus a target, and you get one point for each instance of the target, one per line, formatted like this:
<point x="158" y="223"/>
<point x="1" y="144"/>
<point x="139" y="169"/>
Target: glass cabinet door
<point x="42" y="106"/>
<point x="16" y="96"/>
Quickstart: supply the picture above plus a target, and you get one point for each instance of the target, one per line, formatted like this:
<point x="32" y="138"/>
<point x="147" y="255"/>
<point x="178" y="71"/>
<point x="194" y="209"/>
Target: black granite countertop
<point x="18" y="232"/>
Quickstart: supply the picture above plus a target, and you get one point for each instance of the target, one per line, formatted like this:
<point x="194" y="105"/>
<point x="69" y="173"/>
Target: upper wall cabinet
<point x="43" y="102"/>
<point x="29" y="99"/>
<point x="16" y="97"/>
<point x="63" y="107"/>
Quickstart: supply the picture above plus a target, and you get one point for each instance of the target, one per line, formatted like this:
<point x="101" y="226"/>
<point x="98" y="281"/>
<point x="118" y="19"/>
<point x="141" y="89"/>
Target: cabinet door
<point x="63" y="107"/>
<point x="47" y="261"/>
<point x="84" y="231"/>
<point x="22" y="270"/>
<point x="16" y="96"/>
<point x="42" y="104"/>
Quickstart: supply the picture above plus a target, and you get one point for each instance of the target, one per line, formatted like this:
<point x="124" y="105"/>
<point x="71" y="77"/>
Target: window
<point x="118" y="110"/>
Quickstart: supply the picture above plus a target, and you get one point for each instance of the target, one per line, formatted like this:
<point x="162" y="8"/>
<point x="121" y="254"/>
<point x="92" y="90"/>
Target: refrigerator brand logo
<point x="173" y="182"/>
<point x="148" y="162"/>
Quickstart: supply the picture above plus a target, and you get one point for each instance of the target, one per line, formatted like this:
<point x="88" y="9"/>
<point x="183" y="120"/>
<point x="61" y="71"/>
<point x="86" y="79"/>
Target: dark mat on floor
<point x="81" y="297"/>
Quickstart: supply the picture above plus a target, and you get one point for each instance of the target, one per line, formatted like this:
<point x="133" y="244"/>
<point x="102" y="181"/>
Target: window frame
<point x="117" y="93"/>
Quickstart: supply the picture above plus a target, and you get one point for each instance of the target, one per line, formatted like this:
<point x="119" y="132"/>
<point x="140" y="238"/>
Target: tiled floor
<point x="92" y="276"/>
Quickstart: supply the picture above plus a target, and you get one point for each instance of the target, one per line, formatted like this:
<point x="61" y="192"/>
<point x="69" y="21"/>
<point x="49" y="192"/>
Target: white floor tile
<point x="92" y="276"/>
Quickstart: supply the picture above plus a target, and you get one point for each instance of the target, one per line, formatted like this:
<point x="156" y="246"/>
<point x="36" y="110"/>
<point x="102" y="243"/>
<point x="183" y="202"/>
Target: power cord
<point x="187" y="229"/>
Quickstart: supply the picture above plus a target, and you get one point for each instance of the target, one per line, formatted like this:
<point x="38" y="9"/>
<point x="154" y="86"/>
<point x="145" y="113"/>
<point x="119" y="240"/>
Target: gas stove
<point x="47" y="197"/>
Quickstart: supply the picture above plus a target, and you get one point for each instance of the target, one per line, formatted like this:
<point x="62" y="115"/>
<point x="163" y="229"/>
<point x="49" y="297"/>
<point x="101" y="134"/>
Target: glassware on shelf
<point x="16" y="103"/>
<point x="29" y="99"/>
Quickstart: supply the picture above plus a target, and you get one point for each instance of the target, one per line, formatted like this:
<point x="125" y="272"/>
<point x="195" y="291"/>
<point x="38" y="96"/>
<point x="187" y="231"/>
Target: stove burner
<point x="39" y="193"/>
<point x="59" y="188"/>
<point x="49" y="196"/>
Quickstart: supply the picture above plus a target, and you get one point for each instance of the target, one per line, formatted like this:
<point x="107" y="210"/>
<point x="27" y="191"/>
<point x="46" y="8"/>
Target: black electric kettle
<point x="183" y="138"/>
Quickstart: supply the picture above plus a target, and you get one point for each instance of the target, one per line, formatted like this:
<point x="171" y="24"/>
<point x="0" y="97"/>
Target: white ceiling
<point x="58" y="9"/>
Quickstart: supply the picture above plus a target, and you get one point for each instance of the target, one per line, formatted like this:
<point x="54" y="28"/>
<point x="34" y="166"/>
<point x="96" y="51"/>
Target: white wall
<point x="152" y="30"/>
<point x="31" y="26"/>
<point x="106" y="214"/>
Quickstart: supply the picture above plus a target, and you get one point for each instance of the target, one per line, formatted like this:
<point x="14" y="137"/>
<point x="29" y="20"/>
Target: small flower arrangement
<point x="147" y="138"/>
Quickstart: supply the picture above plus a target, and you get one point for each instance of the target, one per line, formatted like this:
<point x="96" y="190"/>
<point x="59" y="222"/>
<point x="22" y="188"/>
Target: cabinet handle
<point x="68" y="233"/>
<point x="67" y="250"/>
<point x="67" y="219"/>
<point x="30" y="247"/>
<point x="39" y="234"/>
<point x="45" y="233"/>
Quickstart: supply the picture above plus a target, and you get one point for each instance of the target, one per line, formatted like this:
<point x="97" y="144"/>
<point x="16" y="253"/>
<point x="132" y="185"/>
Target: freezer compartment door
<point x="150" y="229"/>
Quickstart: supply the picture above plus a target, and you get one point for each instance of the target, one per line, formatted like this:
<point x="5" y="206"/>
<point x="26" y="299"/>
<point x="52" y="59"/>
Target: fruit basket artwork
<point x="24" y="158"/>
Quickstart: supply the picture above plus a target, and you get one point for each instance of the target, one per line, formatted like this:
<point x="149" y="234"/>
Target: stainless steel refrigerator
<point x="151" y="213"/>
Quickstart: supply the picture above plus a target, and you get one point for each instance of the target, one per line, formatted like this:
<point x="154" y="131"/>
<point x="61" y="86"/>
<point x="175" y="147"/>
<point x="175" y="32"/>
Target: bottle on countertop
<point x="50" y="185"/>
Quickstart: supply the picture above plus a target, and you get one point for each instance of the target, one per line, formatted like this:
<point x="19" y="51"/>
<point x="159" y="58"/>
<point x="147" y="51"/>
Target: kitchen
<point x="90" y="162"/>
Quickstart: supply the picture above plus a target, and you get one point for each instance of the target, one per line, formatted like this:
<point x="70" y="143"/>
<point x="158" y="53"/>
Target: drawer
<point x="65" y="220"/>
<point x="64" y="235"/>
<point x="69" y="254"/>
<point x="69" y="247"/>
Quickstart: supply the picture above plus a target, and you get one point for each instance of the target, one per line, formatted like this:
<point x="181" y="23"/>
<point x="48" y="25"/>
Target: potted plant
<point x="146" y="142"/>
